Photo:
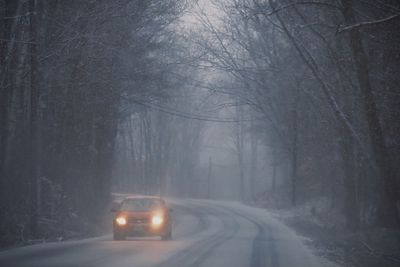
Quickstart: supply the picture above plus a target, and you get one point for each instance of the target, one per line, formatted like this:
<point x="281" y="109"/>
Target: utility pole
<point x="274" y="165"/>
<point x="209" y="177"/>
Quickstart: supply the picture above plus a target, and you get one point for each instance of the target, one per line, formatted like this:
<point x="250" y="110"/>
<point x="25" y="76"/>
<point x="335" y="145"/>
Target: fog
<point x="282" y="113"/>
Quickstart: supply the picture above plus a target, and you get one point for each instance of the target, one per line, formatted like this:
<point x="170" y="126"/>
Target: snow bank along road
<point x="205" y="233"/>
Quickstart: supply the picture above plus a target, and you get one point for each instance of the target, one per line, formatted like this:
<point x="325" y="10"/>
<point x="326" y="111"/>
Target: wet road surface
<point x="205" y="233"/>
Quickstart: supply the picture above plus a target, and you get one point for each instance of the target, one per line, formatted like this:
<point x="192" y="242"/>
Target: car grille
<point x="138" y="220"/>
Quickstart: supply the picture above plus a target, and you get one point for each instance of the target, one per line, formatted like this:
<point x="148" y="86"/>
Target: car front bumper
<point x="139" y="229"/>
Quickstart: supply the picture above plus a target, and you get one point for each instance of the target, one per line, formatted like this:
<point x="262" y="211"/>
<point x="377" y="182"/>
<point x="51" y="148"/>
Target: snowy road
<point x="206" y="233"/>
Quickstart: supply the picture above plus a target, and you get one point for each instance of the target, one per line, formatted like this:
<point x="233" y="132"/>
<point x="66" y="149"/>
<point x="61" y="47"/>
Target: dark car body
<point x="142" y="216"/>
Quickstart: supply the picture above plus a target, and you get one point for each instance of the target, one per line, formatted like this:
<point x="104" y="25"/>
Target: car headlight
<point x="157" y="220"/>
<point x="121" y="220"/>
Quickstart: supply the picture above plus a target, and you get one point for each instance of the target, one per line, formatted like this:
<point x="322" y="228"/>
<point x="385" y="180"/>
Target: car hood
<point x="140" y="214"/>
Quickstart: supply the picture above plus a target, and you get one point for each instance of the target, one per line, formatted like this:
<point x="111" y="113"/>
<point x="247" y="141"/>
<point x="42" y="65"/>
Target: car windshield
<point x="140" y="204"/>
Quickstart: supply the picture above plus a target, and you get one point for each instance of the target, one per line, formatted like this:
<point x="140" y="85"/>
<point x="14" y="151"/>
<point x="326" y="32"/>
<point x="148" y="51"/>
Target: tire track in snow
<point x="195" y="254"/>
<point x="263" y="249"/>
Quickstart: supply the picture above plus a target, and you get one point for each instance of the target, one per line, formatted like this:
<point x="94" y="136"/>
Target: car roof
<point x="143" y="197"/>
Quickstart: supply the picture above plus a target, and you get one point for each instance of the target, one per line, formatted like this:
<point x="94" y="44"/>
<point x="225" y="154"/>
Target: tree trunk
<point x="239" y="148"/>
<point x="350" y="206"/>
<point x="132" y="176"/>
<point x="3" y="97"/>
<point x="253" y="163"/>
<point x="294" y="150"/>
<point x="387" y="207"/>
<point x="34" y="123"/>
<point x="8" y="61"/>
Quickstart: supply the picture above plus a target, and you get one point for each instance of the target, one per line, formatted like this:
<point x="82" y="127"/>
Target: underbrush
<point x="325" y="232"/>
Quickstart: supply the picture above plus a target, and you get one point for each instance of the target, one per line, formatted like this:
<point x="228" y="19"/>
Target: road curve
<point x="205" y="233"/>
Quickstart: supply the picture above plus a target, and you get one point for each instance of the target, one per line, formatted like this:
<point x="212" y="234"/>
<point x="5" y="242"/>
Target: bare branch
<point x="368" y="23"/>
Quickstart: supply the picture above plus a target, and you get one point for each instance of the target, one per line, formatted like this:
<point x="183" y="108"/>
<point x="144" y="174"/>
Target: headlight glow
<point x="121" y="220"/>
<point x="157" y="220"/>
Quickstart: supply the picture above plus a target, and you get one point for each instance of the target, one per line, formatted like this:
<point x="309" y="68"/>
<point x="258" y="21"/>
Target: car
<point x="142" y="216"/>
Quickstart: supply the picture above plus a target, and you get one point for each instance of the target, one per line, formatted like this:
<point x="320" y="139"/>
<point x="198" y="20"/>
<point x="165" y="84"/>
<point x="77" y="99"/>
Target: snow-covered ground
<point x="205" y="233"/>
<point x="321" y="227"/>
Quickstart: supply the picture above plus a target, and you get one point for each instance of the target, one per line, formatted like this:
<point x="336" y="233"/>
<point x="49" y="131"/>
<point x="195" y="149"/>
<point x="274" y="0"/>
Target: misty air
<point x="199" y="133"/>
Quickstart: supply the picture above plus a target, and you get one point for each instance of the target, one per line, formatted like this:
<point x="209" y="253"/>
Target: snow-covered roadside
<point x="315" y="227"/>
<point x="72" y="229"/>
<point x="291" y="248"/>
<point x="321" y="228"/>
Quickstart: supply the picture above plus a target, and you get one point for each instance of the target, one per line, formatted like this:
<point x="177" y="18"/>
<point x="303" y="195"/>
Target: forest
<point x="101" y="96"/>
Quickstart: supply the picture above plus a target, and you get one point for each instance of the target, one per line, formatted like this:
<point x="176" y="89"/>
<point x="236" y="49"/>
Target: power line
<point x="191" y="116"/>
